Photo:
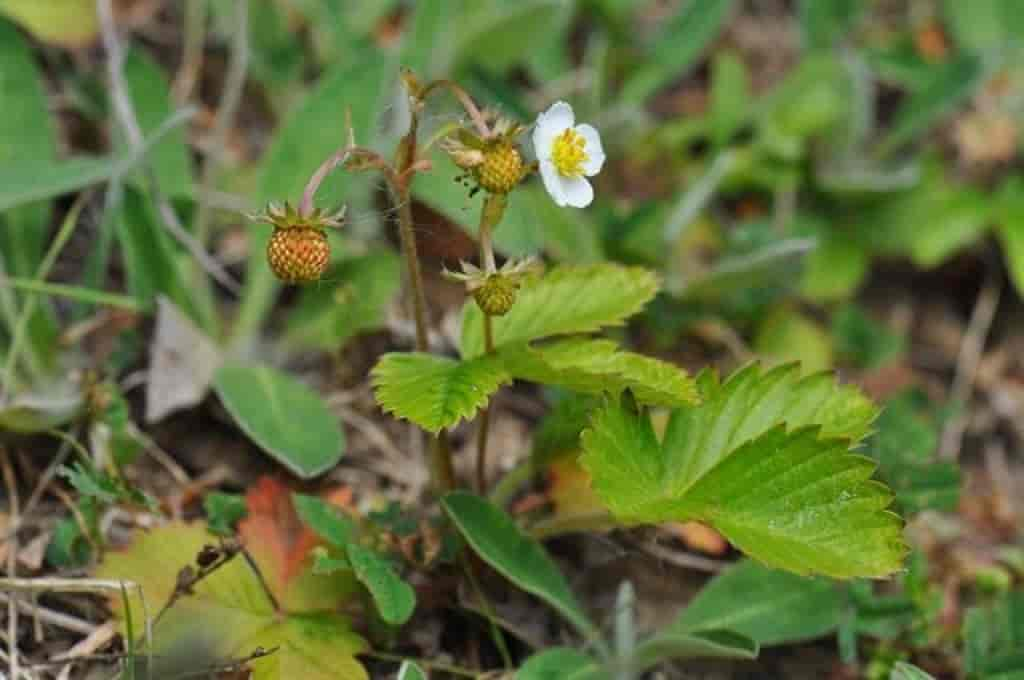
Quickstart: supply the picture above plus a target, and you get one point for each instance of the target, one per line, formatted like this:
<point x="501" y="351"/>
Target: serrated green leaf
<point x="707" y="644"/>
<point x="561" y="663"/>
<point x="905" y="671"/>
<point x="395" y="599"/>
<point x="599" y="366"/>
<point x="495" y="537"/>
<point x="794" y="498"/>
<point x="282" y="416"/>
<point x="564" y="301"/>
<point x="325" y="519"/>
<point x="769" y="606"/>
<point x="677" y="48"/>
<point x="435" y="392"/>
<point x="751" y="402"/>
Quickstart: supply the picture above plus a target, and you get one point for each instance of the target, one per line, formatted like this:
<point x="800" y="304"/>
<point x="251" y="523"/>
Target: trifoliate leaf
<point x="764" y="459"/>
<point x="395" y="599"/>
<point x="435" y="392"/>
<point x="598" y="366"/>
<point x="567" y="300"/>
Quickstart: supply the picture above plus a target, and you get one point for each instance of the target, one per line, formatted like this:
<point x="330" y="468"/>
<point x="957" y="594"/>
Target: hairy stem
<point x="490" y="215"/>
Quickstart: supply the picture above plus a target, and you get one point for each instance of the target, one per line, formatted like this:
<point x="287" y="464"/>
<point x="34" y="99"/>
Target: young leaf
<point x="282" y="416"/>
<point x="765" y="460"/>
<point x="325" y="519"/>
<point x="435" y="392"/>
<point x="769" y="606"/>
<point x="565" y="301"/>
<point x="561" y="663"/>
<point x="709" y="644"/>
<point x="598" y="366"/>
<point x="410" y="671"/>
<point x="395" y="599"/>
<point x="223" y="511"/>
<point x="497" y="539"/>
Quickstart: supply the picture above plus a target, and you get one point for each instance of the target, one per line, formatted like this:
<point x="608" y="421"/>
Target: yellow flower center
<point x="569" y="153"/>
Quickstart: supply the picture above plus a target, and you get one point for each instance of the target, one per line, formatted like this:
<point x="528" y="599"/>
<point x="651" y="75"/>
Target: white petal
<point x="549" y="125"/>
<point x="595" y="152"/>
<point x="578" y="192"/>
<point x="552" y="182"/>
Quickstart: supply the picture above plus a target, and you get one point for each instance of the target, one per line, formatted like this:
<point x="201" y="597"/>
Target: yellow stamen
<point x="568" y="153"/>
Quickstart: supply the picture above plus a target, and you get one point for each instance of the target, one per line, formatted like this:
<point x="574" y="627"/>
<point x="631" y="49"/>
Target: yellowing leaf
<point x="228" y="617"/>
<point x="67" y="23"/>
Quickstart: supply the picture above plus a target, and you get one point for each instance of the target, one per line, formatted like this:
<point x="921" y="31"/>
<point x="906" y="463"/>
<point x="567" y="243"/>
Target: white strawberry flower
<point x="568" y="154"/>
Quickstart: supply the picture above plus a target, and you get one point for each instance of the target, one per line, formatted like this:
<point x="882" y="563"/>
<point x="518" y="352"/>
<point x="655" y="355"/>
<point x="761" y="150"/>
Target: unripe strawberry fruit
<point x="501" y="170"/>
<point x="497" y="294"/>
<point x="298" y="254"/>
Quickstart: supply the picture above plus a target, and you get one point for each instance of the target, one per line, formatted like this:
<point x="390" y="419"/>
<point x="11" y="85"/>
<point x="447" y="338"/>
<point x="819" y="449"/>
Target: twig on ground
<point x="53" y="617"/>
<point x="12" y="565"/>
<point x="971" y="348"/>
<point x="679" y="559"/>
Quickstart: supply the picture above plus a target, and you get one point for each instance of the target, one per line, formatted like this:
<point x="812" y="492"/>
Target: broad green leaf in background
<point x="494" y="38"/>
<point x="495" y="537"/>
<point x="788" y="335"/>
<point x="994" y="639"/>
<point x="410" y="671"/>
<point x="282" y="416"/>
<point x="962" y="216"/>
<point x="427" y="47"/>
<point x="352" y="297"/>
<point x="864" y="341"/>
<point x="151" y="98"/>
<point x="325" y="519"/>
<point x="564" y="301"/>
<point x="395" y="599"/>
<point x="38" y="411"/>
<point x="707" y="644"/>
<point x="678" y="46"/>
<point x="67" y="23"/>
<point x="769" y="606"/>
<point x="561" y="663"/>
<point x="33" y="180"/>
<point x="26" y="133"/>
<point x="826" y="23"/>
<point x="983" y="25"/>
<point x="313" y="131"/>
<point x="1009" y="218"/>
<point x="905" y="671"/>
<point x="836" y="268"/>
<point x="949" y="84"/>
<point x="767" y="265"/>
<point x="436" y="392"/>
<point x="228" y="616"/>
<point x="599" y="366"/>
<point x="730" y="96"/>
<point x="764" y="459"/>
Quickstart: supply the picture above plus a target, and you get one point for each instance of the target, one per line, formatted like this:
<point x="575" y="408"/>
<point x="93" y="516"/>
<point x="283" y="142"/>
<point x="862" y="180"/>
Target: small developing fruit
<point x="298" y="254"/>
<point x="496" y="294"/>
<point x="502" y="168"/>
